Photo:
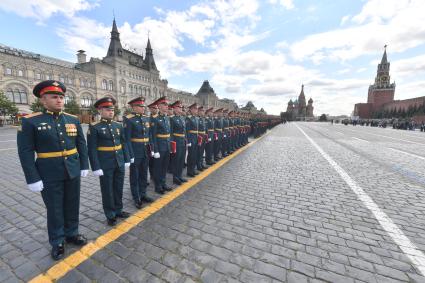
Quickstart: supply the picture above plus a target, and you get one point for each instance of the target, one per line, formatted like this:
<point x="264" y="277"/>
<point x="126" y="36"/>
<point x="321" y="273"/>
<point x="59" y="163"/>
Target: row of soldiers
<point x="160" y="141"/>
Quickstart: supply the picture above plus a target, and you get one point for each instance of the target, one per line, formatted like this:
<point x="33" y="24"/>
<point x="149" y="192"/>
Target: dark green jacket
<point x="102" y="138"/>
<point x="50" y="134"/>
<point x="137" y="129"/>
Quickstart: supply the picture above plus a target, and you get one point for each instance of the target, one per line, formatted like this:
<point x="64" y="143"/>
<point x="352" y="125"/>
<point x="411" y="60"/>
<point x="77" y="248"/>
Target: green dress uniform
<point x="192" y="123"/>
<point x="225" y="143"/>
<point x="161" y="145"/>
<point x="178" y="135"/>
<point x="218" y="128"/>
<point x="209" y="147"/>
<point x="108" y="152"/>
<point x="138" y="136"/>
<point x="58" y="142"/>
<point x="201" y="146"/>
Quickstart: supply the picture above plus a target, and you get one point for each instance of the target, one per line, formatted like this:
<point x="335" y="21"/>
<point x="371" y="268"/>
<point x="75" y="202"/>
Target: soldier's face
<point x="178" y="110"/>
<point x="107" y="113"/>
<point x="139" y="109"/>
<point x="163" y="108"/>
<point x="53" y="102"/>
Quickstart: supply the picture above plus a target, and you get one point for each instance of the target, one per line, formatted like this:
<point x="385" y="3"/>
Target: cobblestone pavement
<point x="277" y="212"/>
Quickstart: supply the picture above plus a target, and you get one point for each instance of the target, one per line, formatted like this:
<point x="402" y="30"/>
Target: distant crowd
<point x="401" y="124"/>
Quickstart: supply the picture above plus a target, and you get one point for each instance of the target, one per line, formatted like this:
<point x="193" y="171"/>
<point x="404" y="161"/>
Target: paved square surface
<point x="277" y="212"/>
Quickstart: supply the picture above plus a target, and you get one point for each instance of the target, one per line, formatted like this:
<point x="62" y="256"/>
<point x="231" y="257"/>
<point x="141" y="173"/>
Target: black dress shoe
<point x="190" y="175"/>
<point x="147" y="199"/>
<point x="159" y="191"/>
<point x="166" y="188"/>
<point x="205" y="167"/>
<point x="138" y="204"/>
<point x="201" y="169"/>
<point x="177" y="181"/>
<point x="112" y="221"/>
<point x="183" y="180"/>
<point x="196" y="172"/>
<point x="123" y="214"/>
<point x="58" y="252"/>
<point x="78" y="240"/>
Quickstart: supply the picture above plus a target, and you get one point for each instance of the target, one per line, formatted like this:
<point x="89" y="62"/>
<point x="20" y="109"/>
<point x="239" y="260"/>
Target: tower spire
<point x="384" y="56"/>
<point x="115" y="47"/>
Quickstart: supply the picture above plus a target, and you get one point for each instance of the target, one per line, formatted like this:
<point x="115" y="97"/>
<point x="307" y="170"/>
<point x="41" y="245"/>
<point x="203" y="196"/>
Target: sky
<point x="249" y="50"/>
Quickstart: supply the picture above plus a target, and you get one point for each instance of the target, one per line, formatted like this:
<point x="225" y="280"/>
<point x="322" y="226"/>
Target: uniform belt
<point x="56" y="153"/>
<point x="178" y="135"/>
<point x="140" y="140"/>
<point x="226" y="128"/>
<point x="220" y="130"/>
<point x="193" y="132"/>
<point x="109" y="148"/>
<point x="163" y="136"/>
<point x="211" y="130"/>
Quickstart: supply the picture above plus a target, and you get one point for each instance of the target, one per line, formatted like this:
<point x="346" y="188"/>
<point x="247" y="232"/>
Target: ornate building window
<point x="70" y="81"/>
<point x="37" y="75"/>
<point x="8" y="71"/>
<point x="82" y="82"/>
<point x="17" y="95"/>
<point x="130" y="89"/>
<point x="62" y="78"/>
<point x="86" y="100"/>
<point x="20" y="73"/>
<point x="122" y="88"/>
<point x="104" y="84"/>
<point x="48" y="76"/>
<point x="68" y="98"/>
<point x="111" y="85"/>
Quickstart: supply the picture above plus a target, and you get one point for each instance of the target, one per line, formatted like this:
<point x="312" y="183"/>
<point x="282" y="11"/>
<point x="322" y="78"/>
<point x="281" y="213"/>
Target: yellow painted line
<point x="73" y="260"/>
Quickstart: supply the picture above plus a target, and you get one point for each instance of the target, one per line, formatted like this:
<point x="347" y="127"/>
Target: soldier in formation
<point x="165" y="139"/>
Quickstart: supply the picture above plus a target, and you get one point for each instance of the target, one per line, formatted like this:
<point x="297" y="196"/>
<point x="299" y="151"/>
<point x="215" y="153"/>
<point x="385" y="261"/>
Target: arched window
<point x="68" y="98"/>
<point x="111" y="85"/>
<point x="86" y="100"/>
<point x="17" y="95"/>
<point x="82" y="82"/>
<point x="48" y="76"/>
<point x="123" y="88"/>
<point x="62" y="78"/>
<point x="104" y="84"/>
<point x="70" y="81"/>
<point x="20" y="73"/>
<point x="37" y="75"/>
<point x="130" y="89"/>
<point x="8" y="71"/>
<point x="89" y="83"/>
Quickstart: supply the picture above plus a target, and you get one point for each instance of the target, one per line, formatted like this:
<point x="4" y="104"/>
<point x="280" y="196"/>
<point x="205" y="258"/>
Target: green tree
<point x="127" y="110"/>
<point x="117" y="111"/>
<point x="92" y="110"/>
<point x="323" y="118"/>
<point x="36" y="106"/>
<point x="72" y="107"/>
<point x="7" y="107"/>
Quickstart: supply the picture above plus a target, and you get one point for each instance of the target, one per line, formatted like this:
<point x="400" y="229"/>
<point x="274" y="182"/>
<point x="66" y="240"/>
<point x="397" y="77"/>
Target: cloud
<point x="397" y="23"/>
<point x="287" y="4"/>
<point x="410" y="67"/>
<point x="43" y="9"/>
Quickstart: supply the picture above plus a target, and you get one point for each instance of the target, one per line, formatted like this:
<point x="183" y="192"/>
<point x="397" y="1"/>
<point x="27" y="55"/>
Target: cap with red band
<point x="105" y="102"/>
<point x="49" y="87"/>
<point x="138" y="101"/>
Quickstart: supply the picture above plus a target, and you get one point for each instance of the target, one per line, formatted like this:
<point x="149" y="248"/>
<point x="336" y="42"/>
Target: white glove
<point x="84" y="173"/>
<point x="225" y="136"/>
<point x="36" y="187"/>
<point x="127" y="164"/>
<point x="152" y="153"/>
<point x="189" y="145"/>
<point x="156" y="155"/>
<point x="132" y="160"/>
<point x="209" y="139"/>
<point x="98" y="172"/>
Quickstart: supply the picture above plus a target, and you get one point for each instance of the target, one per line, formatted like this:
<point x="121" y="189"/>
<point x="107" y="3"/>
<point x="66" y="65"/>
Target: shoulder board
<point x="33" y="114"/>
<point x="70" y="115"/>
<point x="117" y="123"/>
<point x="129" y="116"/>
<point x="94" y="123"/>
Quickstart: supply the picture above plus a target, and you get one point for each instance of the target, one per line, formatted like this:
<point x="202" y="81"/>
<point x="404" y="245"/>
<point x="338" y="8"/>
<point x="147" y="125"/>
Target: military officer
<point x="233" y="133"/>
<point x="58" y="141"/>
<point x="192" y="124"/>
<point x="108" y="154"/>
<point x="202" y="137"/>
<point x="138" y="137"/>
<point x="209" y="147"/>
<point x="225" y="143"/>
<point x="153" y="109"/>
<point x="161" y="145"/>
<point x="178" y="135"/>
<point x="218" y="128"/>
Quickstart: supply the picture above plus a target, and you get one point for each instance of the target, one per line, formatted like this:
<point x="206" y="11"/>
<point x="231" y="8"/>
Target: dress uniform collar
<point x="106" y="120"/>
<point x="53" y="113"/>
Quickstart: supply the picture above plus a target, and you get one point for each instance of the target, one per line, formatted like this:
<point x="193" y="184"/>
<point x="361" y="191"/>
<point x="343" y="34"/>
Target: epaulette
<point x="119" y="123"/>
<point x="70" y="115"/>
<point x="154" y="116"/>
<point x="129" y="116"/>
<point x="33" y="114"/>
<point x="94" y="123"/>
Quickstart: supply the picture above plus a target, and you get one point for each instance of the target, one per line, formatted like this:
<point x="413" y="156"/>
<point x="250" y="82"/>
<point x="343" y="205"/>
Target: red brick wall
<point x="363" y="110"/>
<point x="381" y="97"/>
<point x="404" y="104"/>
